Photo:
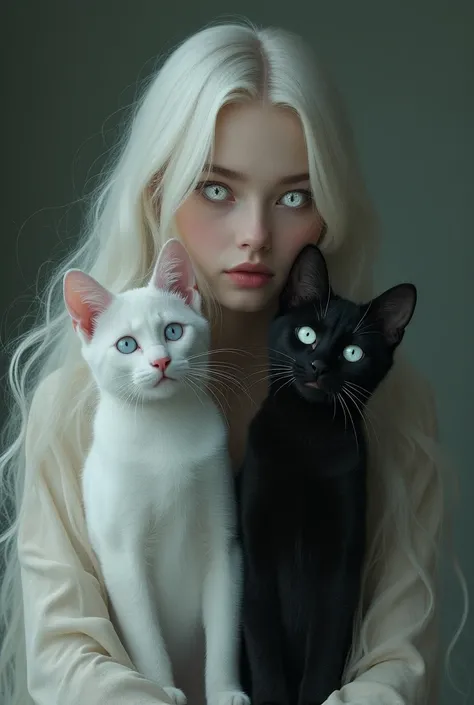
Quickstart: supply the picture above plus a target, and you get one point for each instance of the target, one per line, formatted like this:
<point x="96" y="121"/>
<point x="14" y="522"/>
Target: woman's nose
<point x="254" y="231"/>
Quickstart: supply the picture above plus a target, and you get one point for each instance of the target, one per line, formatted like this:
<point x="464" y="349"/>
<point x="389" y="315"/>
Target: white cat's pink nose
<point x="162" y="363"/>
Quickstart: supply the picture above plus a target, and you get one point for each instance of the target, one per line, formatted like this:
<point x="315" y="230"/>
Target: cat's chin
<point x="165" y="389"/>
<point x="312" y="391"/>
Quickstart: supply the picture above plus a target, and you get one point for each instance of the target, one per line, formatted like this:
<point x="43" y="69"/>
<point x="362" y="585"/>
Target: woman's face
<point x="253" y="206"/>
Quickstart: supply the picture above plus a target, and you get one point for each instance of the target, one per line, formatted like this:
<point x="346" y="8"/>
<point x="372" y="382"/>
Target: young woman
<point x="239" y="148"/>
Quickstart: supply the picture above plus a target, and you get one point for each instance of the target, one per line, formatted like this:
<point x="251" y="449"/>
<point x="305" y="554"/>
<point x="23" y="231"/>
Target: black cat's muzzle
<point x="318" y="376"/>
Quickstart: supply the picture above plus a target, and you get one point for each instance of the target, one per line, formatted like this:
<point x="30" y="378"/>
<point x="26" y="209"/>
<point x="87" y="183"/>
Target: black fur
<point x="302" y="487"/>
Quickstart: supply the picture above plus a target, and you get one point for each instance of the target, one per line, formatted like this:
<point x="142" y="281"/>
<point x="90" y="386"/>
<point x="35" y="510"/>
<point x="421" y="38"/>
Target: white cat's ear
<point x="85" y="300"/>
<point x="174" y="272"/>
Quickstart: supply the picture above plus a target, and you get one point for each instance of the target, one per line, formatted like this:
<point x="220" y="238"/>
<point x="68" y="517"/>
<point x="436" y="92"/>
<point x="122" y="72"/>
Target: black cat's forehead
<point x="338" y="314"/>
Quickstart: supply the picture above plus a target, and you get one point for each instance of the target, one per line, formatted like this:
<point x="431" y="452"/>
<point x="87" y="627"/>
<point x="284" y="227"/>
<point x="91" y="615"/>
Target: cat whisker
<point x="276" y="380"/>
<point x="214" y="364"/>
<point x="358" y="387"/>
<point x="213" y="367"/>
<point x="272" y="360"/>
<point x="318" y="311"/>
<point x="279" y="352"/>
<point x="361" y="396"/>
<point x="221" y="380"/>
<point x="145" y="378"/>
<point x="220" y="400"/>
<point x="278" y="368"/>
<point x="359" y="405"/>
<point x="222" y="375"/>
<point x="338" y="396"/>
<point x="366" y="414"/>
<point x="285" y="384"/>
<point x="126" y="390"/>
<point x="274" y="363"/>
<point x="344" y="403"/>
<point x="368" y="331"/>
<point x="194" y="388"/>
<point x="327" y="303"/>
<point x="229" y="383"/>
<point x="221" y="372"/>
<point x="192" y="383"/>
<point x="279" y="373"/>
<point x="139" y="401"/>
<point x="217" y="351"/>
<point x="367" y="326"/>
<point x="133" y="398"/>
<point x="362" y="318"/>
<point x="273" y="374"/>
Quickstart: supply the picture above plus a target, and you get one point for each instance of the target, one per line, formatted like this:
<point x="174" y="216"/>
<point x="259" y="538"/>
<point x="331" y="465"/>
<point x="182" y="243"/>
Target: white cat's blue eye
<point x="126" y="345"/>
<point x="352" y="353"/>
<point x="174" y="331"/>
<point x="306" y="335"/>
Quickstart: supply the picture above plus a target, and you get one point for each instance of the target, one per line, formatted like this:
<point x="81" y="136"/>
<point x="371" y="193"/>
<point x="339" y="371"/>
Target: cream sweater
<point x="74" y="656"/>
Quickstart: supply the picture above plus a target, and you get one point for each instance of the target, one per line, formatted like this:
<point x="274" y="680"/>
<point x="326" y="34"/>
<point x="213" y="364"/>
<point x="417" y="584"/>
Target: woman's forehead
<point x="257" y="141"/>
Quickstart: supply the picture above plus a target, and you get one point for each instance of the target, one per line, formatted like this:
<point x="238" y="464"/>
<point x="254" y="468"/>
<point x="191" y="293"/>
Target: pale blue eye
<point x="306" y="335"/>
<point x="295" y="199"/>
<point x="174" y="331"/>
<point x="352" y="353"/>
<point x="215" y="192"/>
<point x="126" y="345"/>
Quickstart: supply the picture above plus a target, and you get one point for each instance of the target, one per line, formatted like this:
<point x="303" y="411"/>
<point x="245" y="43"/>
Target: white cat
<point x="157" y="482"/>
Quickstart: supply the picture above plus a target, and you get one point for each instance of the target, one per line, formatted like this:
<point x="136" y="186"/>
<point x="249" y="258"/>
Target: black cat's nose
<point x="319" y="367"/>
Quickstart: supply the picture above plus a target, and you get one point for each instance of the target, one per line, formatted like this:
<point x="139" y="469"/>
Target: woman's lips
<point x="250" y="276"/>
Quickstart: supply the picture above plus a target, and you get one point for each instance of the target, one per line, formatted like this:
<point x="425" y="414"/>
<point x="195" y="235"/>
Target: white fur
<point x="157" y="492"/>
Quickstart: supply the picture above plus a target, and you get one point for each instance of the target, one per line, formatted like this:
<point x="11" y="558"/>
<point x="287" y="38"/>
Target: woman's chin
<point x="247" y="300"/>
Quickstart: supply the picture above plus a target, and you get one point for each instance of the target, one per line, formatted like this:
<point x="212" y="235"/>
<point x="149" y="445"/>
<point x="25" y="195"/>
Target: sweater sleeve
<point x="74" y="655"/>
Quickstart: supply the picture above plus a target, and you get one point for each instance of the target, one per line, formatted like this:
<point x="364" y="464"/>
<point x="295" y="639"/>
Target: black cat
<point x="302" y="487"/>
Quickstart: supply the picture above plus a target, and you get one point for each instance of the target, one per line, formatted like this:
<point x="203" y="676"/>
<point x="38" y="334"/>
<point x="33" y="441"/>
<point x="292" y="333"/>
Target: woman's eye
<point x="295" y="199"/>
<point x="214" y="192"/>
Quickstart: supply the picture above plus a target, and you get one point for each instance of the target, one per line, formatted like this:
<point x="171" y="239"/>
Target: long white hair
<point x="156" y="166"/>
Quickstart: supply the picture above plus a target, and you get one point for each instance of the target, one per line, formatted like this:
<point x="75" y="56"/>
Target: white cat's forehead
<point x="152" y="303"/>
<point x="140" y="307"/>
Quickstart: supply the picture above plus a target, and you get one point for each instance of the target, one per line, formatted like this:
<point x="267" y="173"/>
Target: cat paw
<point x="176" y="695"/>
<point x="229" y="697"/>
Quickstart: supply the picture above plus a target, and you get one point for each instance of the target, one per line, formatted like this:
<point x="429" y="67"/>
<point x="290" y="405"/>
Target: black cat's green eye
<point x="353" y="353"/>
<point x="306" y="335"/>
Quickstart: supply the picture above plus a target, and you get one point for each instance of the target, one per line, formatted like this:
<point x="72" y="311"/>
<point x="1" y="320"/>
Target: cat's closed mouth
<point x="163" y="379"/>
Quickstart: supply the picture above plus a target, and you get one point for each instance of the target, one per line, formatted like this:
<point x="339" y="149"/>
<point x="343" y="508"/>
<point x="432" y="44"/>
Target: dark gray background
<point x="405" y="68"/>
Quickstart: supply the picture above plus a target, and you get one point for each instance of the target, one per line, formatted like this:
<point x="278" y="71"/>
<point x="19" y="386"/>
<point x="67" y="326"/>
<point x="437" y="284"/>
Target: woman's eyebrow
<point x="239" y="176"/>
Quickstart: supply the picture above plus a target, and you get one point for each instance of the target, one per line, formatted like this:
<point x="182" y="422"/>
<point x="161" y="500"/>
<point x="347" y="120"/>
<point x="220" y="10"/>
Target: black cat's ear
<point x="307" y="281"/>
<point x="393" y="310"/>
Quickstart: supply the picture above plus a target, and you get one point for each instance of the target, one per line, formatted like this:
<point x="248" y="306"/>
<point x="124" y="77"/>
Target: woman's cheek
<point x="201" y="232"/>
<point x="302" y="234"/>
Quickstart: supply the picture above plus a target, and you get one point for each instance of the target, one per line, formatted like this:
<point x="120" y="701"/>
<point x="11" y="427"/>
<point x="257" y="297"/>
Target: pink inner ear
<point x="174" y="271"/>
<point x="85" y="299"/>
